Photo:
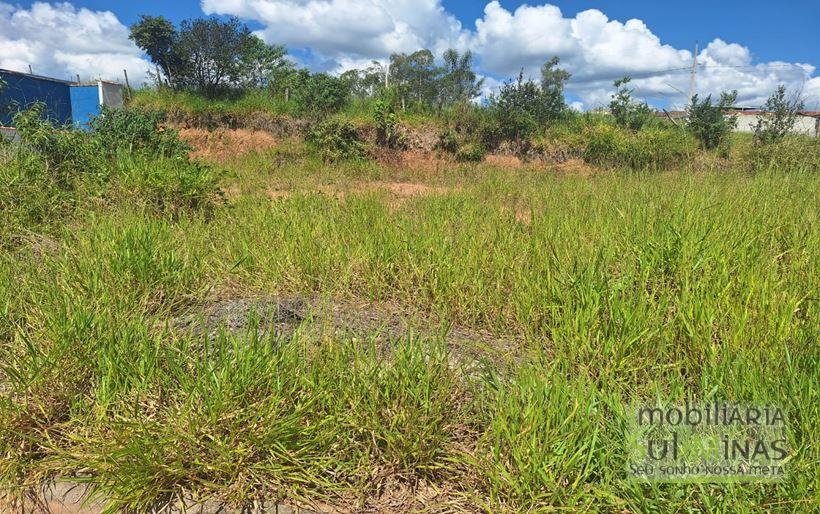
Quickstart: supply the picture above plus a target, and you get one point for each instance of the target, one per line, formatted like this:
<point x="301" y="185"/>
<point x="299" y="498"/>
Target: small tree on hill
<point x="712" y="123"/>
<point x="779" y="116"/>
<point x="625" y="111"/>
<point x="158" y="38"/>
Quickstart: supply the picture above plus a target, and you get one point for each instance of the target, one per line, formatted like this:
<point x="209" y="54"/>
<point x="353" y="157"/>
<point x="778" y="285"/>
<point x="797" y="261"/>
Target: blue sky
<point x="745" y="45"/>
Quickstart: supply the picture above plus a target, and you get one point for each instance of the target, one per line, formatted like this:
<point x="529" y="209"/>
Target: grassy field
<point x="575" y="295"/>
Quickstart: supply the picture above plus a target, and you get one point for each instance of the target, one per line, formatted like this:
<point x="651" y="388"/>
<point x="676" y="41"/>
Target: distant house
<point x="65" y="102"/>
<point x="807" y="123"/>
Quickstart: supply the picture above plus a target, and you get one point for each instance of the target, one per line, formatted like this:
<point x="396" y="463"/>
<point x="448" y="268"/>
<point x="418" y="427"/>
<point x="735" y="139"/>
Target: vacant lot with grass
<point x="415" y="334"/>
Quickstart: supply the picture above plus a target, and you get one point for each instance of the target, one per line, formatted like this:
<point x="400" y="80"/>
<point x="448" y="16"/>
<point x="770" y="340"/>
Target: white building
<point x="808" y="122"/>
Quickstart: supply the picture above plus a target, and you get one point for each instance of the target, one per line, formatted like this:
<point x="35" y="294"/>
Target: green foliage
<point x="132" y="130"/>
<point x="710" y="123"/>
<point x="457" y="82"/>
<point x="470" y="152"/>
<point x="67" y="152"/>
<point x="387" y="124"/>
<point x="789" y="154"/>
<point x="158" y="38"/>
<point x="320" y="93"/>
<point x="126" y="158"/>
<point x="262" y="65"/>
<point x="447" y="141"/>
<point x="208" y="55"/>
<point x="336" y="140"/>
<point x="523" y="106"/>
<point x="651" y="148"/>
<point x="778" y="116"/>
<point x="626" y="112"/>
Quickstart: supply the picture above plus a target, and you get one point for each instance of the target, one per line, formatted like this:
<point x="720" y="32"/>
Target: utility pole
<point x="694" y="73"/>
<point x="30" y="71"/>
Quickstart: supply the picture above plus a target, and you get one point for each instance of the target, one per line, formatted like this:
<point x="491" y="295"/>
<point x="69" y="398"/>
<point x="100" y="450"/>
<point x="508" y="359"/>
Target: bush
<point x="471" y="152"/>
<point x="130" y="130"/>
<point x="336" y="140"/>
<point x="66" y="152"/>
<point x="387" y="125"/>
<point x="650" y="148"/>
<point x="56" y="169"/>
<point x="447" y="141"/>
<point x="320" y="93"/>
<point x="626" y="112"/>
<point x="778" y="117"/>
<point x="710" y="123"/>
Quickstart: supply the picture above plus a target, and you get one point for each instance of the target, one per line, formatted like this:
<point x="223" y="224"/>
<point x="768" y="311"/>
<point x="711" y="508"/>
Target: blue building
<point x="65" y="102"/>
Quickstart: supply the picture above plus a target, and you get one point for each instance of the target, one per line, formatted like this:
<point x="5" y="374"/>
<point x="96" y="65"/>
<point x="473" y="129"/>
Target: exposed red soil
<point x="222" y="145"/>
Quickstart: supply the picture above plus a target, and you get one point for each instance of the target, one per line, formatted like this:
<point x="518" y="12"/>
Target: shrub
<point x="471" y="152"/>
<point x="129" y="130"/>
<point x="66" y="151"/>
<point x="336" y="140"/>
<point x="447" y="141"/>
<point x="387" y="125"/>
<point x="320" y="93"/>
<point x="710" y="123"/>
<point x="650" y="148"/>
<point x="778" y="117"/>
<point x="626" y="112"/>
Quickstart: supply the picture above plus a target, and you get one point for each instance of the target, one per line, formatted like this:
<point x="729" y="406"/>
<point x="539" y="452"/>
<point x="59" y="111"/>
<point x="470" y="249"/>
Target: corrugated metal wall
<point x="24" y="90"/>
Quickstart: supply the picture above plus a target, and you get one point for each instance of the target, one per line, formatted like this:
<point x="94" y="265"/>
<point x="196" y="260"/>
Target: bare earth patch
<point x="222" y="145"/>
<point x="282" y="315"/>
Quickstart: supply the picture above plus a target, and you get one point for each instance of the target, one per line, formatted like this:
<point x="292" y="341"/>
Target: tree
<point x="213" y="50"/>
<point x="415" y="77"/>
<point x="554" y="78"/>
<point x="262" y="64"/>
<point x="625" y="111"/>
<point x="711" y="123"/>
<point x="158" y="38"/>
<point x="779" y="116"/>
<point x="367" y="82"/>
<point x="320" y="93"/>
<point x="458" y="80"/>
<point x="516" y="110"/>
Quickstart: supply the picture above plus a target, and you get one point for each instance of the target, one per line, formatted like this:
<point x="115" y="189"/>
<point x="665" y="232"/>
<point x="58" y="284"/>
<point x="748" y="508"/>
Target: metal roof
<point x="38" y="77"/>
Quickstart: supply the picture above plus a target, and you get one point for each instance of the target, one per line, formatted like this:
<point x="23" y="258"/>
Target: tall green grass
<point x="598" y="290"/>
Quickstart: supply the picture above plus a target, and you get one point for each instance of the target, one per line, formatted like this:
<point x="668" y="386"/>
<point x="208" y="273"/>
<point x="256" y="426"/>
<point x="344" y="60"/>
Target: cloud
<point x="62" y="41"/>
<point x="596" y="49"/>
<point x="351" y="29"/>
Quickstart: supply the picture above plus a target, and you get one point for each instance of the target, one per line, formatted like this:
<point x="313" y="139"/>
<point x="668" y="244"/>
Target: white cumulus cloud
<point x="594" y="48"/>
<point x="61" y="40"/>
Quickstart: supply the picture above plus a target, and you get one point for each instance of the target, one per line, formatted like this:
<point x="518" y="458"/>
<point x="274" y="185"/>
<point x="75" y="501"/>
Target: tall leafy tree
<point x="158" y="38"/>
<point x="415" y="76"/>
<point x="458" y="81"/>
<point x="261" y="64"/>
<point x="213" y="50"/>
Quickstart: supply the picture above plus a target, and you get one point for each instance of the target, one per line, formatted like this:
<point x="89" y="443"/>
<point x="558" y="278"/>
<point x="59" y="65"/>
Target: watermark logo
<point x="709" y="442"/>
